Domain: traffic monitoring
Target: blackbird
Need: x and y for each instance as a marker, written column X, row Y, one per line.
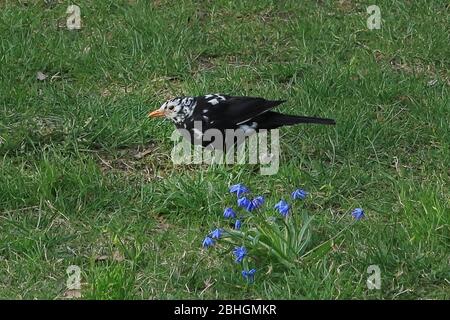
column 217, row 111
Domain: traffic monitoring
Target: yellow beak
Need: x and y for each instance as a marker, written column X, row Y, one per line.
column 156, row 113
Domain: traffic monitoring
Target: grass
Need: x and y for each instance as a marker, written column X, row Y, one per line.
column 73, row 192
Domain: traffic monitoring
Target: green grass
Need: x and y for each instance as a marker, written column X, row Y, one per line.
column 72, row 190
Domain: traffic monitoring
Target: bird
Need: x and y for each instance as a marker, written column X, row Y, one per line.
column 223, row 112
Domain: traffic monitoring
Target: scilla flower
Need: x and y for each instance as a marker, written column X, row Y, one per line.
column 237, row 225
column 238, row 189
column 249, row 275
column 299, row 194
column 208, row 242
column 229, row 213
column 216, row 234
column 246, row 204
column 258, row 201
column 283, row 208
column 358, row 213
column 239, row 253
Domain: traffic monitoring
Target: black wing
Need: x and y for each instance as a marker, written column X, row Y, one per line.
column 228, row 111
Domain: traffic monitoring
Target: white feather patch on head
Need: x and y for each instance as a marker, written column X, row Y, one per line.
column 182, row 108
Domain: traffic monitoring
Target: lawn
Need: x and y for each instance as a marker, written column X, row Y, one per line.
column 86, row 179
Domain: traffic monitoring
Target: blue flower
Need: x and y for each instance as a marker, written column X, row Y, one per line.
column 299, row 194
column 238, row 189
column 358, row 213
column 258, row 201
column 245, row 203
column 239, row 253
column 283, row 208
column 249, row 275
column 229, row 213
column 207, row 242
column 237, row 224
column 216, row 234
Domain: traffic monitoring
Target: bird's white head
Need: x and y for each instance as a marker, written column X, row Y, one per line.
column 177, row 109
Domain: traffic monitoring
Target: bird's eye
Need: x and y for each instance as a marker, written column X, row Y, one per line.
column 170, row 107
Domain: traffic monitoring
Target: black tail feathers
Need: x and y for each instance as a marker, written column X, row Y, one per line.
column 302, row 119
column 271, row 120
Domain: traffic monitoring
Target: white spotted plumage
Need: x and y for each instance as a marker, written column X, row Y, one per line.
column 179, row 109
column 214, row 98
column 213, row 101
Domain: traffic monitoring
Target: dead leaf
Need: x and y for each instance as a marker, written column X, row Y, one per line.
column 162, row 226
column 118, row 256
column 41, row 76
column 345, row 5
column 379, row 56
column 72, row 294
column 142, row 154
column 102, row 257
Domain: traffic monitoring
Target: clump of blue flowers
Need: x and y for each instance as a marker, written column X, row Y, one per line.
column 274, row 233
